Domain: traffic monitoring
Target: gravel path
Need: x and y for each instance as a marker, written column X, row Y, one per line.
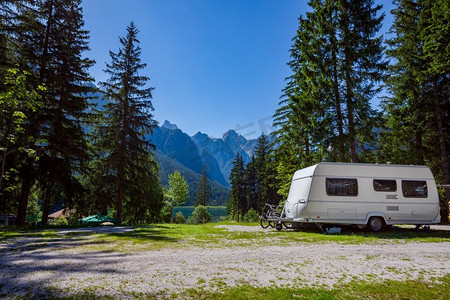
column 36, row 270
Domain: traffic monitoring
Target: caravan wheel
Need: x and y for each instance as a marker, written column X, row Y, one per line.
column 376, row 224
column 279, row 226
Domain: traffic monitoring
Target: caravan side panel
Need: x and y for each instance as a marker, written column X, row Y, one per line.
column 396, row 205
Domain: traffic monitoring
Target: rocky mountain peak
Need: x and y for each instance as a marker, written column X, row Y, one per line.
column 169, row 125
column 230, row 134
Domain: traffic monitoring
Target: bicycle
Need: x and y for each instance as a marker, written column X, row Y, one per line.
column 271, row 213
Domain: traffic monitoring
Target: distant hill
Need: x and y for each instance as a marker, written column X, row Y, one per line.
column 167, row 165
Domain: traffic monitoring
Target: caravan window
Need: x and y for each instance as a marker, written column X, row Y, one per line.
column 414, row 189
column 341, row 187
column 381, row 185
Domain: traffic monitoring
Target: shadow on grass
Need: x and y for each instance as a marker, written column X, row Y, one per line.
column 29, row 264
column 34, row 259
column 145, row 234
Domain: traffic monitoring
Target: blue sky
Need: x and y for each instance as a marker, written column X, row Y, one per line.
column 216, row 64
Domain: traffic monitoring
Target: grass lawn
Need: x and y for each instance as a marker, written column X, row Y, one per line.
column 159, row 237
column 439, row 289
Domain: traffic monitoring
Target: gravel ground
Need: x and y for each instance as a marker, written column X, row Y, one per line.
column 35, row 271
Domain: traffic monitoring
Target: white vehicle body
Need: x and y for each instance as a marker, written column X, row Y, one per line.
column 350, row 193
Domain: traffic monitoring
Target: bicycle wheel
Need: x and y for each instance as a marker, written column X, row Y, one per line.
column 272, row 224
column 263, row 221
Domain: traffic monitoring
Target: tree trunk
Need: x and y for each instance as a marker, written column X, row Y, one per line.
column 24, row 193
column 348, row 79
column 47, row 201
column 119, row 198
column 339, row 119
column 45, row 212
column 342, row 156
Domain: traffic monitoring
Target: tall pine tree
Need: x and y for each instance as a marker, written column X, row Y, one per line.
column 325, row 111
column 203, row 190
column 237, row 201
column 127, row 165
column 417, row 109
column 66, row 78
column 46, row 39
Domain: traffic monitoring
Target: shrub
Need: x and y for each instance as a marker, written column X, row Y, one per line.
column 166, row 213
column 251, row 216
column 61, row 221
column 199, row 216
column 179, row 218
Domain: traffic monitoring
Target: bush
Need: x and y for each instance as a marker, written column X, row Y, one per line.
column 179, row 218
column 61, row 221
column 251, row 216
column 199, row 216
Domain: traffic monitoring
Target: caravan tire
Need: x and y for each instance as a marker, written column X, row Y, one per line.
column 375, row 224
column 279, row 226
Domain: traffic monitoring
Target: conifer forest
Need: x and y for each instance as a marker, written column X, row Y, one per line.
column 60, row 146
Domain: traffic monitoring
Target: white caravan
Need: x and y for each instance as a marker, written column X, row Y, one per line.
column 362, row 194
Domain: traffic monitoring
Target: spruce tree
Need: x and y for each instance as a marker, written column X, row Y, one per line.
column 362, row 68
column 46, row 39
column 250, row 188
column 336, row 63
column 419, row 87
column 65, row 103
column 237, row 194
column 128, row 171
column 261, row 161
column 203, row 190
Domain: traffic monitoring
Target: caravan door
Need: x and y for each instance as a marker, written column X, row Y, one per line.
column 295, row 205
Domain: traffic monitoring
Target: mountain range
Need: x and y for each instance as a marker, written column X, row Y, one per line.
column 176, row 150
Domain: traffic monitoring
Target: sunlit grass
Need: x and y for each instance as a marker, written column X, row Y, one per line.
column 178, row 236
column 390, row 289
column 10, row 234
column 438, row 289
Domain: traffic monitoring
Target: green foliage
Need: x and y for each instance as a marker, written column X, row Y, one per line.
column 179, row 218
column 417, row 109
column 61, row 221
column 238, row 201
column 219, row 193
column 203, row 190
column 251, row 216
column 125, row 171
column 178, row 190
column 166, row 212
column 34, row 212
column 336, row 65
column 218, row 213
column 255, row 184
column 199, row 216
column 17, row 101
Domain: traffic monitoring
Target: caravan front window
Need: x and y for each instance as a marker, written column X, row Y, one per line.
column 414, row 189
column 341, row 187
